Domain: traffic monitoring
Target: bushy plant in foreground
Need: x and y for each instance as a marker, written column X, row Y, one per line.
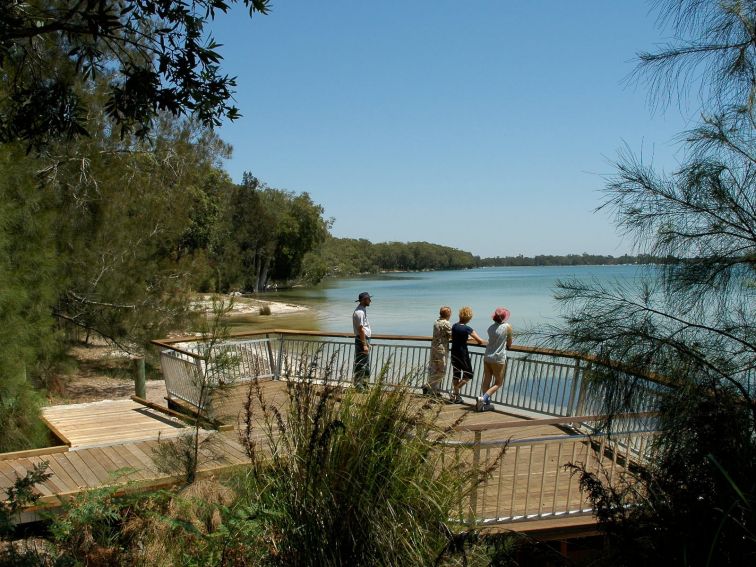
column 691, row 505
column 347, row 478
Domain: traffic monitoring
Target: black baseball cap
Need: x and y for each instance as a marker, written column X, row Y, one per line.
column 363, row 295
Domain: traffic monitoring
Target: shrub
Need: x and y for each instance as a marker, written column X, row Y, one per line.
column 349, row 478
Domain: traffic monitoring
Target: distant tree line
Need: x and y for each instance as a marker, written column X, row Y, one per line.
column 568, row 260
column 340, row 257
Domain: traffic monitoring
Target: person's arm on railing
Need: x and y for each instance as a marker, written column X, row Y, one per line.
column 474, row 336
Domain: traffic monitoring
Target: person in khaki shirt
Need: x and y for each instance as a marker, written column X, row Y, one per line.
column 439, row 353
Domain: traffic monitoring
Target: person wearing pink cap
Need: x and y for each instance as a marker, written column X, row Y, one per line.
column 495, row 358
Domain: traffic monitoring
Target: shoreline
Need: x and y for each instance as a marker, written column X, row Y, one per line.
column 246, row 306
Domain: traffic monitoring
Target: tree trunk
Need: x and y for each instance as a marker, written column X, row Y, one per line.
column 262, row 278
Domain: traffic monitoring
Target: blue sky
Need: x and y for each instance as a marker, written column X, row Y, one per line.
column 489, row 126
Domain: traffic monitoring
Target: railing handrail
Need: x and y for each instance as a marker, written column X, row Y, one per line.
column 652, row 376
column 548, row 421
column 539, row 440
column 560, row 400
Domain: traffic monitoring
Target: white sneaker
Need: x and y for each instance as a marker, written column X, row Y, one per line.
column 479, row 404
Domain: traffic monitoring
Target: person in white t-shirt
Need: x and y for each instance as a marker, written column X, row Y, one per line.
column 495, row 357
column 362, row 332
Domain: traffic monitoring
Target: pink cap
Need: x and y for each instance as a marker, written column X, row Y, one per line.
column 500, row 315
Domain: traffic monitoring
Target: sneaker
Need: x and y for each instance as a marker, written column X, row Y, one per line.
column 456, row 399
column 479, row 404
column 431, row 392
column 487, row 407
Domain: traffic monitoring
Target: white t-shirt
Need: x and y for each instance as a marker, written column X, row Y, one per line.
column 496, row 350
column 360, row 319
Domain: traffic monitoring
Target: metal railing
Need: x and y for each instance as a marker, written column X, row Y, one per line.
column 529, row 482
column 188, row 367
column 537, row 382
column 538, row 478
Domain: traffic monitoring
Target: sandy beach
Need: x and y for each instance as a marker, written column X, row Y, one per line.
column 247, row 305
column 103, row 371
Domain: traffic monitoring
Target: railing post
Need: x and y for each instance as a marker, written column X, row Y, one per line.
column 476, row 478
column 581, row 394
column 279, row 364
column 573, row 389
column 271, row 360
column 199, row 381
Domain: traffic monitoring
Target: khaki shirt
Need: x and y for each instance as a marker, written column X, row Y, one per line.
column 441, row 337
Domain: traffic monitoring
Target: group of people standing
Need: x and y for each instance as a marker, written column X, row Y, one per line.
column 447, row 339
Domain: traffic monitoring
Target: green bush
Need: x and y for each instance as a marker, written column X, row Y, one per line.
column 347, row 478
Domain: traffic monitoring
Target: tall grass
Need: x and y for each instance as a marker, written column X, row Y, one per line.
column 347, row 478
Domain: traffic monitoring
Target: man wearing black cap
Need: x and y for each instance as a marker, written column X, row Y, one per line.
column 362, row 333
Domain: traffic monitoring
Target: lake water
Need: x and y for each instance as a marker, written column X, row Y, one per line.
column 408, row 303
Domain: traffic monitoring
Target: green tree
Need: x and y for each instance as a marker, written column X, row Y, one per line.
column 693, row 320
column 345, row 256
column 29, row 271
column 246, row 238
column 204, row 236
column 91, row 233
column 156, row 56
column 266, row 233
column 123, row 210
column 300, row 230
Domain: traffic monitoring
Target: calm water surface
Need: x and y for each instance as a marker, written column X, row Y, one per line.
column 407, row 303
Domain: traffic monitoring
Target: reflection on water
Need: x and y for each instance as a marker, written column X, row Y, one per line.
column 301, row 320
column 407, row 303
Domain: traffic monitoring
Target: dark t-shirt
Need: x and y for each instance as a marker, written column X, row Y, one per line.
column 460, row 334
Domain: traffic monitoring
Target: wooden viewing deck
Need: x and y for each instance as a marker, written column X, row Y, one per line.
column 112, row 443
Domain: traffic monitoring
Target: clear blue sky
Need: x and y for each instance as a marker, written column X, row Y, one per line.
column 485, row 125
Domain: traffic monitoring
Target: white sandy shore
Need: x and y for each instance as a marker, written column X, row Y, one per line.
column 247, row 305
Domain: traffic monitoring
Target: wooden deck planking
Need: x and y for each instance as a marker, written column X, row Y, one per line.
column 7, row 474
column 61, row 475
column 41, row 487
column 140, row 473
column 116, row 445
column 63, row 462
column 109, row 421
column 114, row 457
column 90, row 478
column 55, row 484
column 141, row 459
column 115, row 471
column 234, row 447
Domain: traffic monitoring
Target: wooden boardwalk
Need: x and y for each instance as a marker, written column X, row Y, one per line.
column 109, row 422
column 113, row 444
